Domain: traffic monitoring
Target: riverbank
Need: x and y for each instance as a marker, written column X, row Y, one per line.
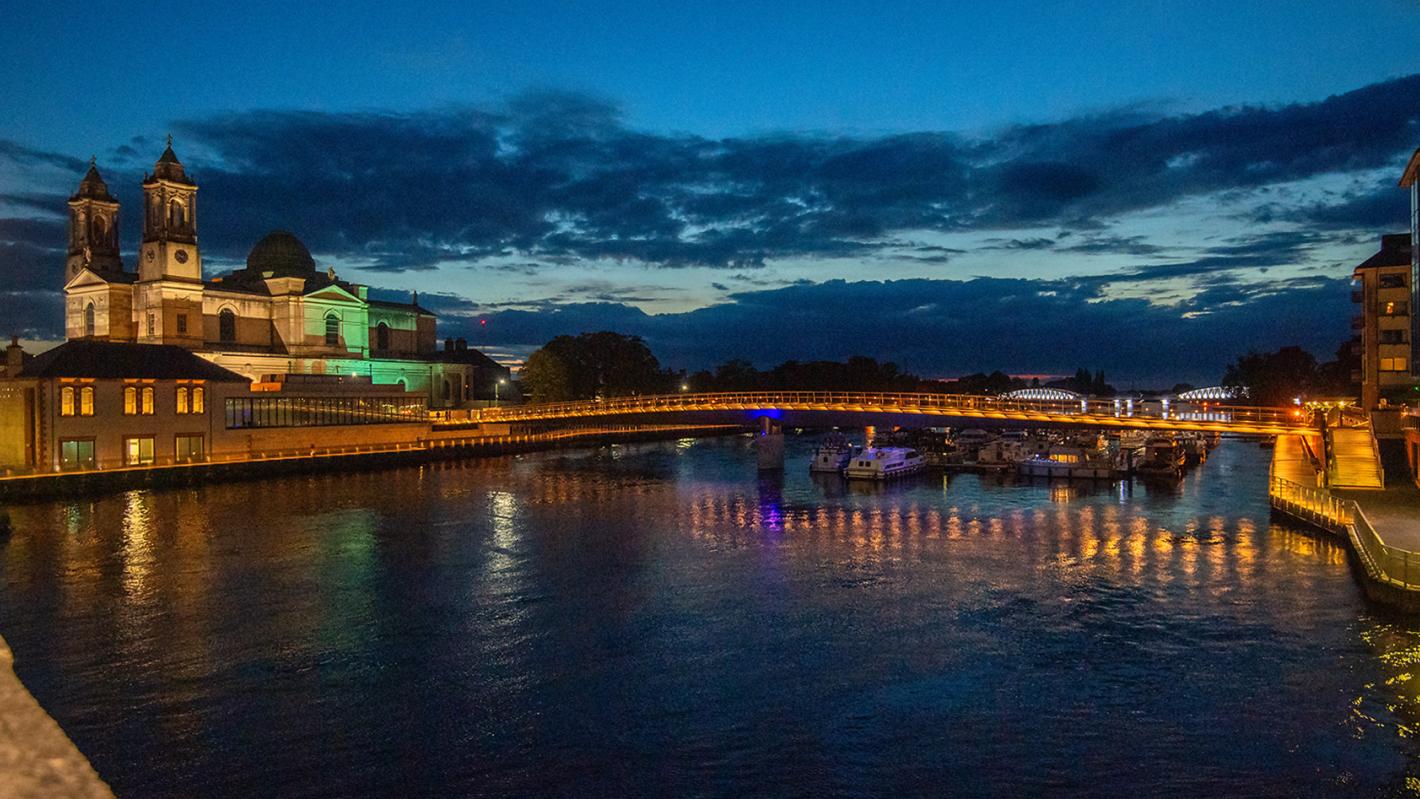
column 1380, row 526
column 36, row 758
column 347, row 458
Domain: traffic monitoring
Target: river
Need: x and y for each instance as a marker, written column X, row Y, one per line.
column 658, row 619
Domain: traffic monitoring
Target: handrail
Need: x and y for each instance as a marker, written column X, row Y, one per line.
column 1394, row 565
column 1121, row 412
column 1309, row 502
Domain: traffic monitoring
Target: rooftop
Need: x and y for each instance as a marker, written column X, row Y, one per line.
column 1395, row 251
column 113, row 359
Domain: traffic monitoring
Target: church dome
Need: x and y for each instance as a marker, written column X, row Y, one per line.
column 282, row 254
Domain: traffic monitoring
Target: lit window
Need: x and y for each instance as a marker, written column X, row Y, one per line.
column 147, row 400
column 138, row 451
column 76, row 453
column 130, row 400
column 188, row 448
column 199, row 399
column 66, row 401
column 86, row 401
column 182, row 399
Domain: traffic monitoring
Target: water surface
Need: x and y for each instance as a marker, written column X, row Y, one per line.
column 660, row 620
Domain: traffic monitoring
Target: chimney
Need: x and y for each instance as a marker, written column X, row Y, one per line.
column 448, row 345
column 14, row 357
column 461, row 344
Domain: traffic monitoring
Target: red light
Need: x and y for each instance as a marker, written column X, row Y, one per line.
column 483, row 322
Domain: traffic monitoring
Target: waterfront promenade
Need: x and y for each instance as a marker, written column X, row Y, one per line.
column 1382, row 525
column 1394, row 511
column 37, row 760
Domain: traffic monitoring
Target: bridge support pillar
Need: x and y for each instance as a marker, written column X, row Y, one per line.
column 769, row 445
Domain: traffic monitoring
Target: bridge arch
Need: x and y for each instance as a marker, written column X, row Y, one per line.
column 1213, row 394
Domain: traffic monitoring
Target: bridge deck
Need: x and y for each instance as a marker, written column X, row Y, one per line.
column 938, row 409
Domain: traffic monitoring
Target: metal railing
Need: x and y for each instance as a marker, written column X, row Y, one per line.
column 1316, row 505
column 1111, row 412
column 1388, row 564
column 1398, row 567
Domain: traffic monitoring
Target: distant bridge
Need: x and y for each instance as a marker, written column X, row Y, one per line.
column 851, row 408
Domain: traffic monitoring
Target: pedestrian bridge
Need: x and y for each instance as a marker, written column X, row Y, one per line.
column 851, row 408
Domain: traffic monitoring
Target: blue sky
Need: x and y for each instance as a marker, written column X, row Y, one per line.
column 918, row 182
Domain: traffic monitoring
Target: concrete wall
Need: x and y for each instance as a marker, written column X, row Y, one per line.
column 36, row 758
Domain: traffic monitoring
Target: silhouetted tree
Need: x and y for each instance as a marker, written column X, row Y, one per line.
column 1336, row 378
column 1274, row 378
column 544, row 377
column 604, row 364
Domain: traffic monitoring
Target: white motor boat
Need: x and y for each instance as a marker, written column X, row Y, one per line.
column 884, row 463
column 833, row 455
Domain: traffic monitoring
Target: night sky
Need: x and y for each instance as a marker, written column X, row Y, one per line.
column 1146, row 188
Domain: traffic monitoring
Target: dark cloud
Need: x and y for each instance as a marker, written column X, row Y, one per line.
column 561, row 175
column 32, row 255
column 1379, row 207
column 941, row 327
column 32, row 314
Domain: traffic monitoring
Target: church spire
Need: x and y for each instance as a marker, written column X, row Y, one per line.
column 93, row 227
column 92, row 186
column 168, row 166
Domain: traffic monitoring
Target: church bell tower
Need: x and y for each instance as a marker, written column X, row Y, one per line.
column 167, row 301
column 93, row 228
column 169, row 248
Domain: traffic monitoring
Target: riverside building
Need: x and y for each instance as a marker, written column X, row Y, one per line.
column 279, row 314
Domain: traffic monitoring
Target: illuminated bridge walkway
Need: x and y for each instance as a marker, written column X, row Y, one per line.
column 819, row 408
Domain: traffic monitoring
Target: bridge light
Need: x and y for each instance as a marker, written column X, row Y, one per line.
column 684, row 387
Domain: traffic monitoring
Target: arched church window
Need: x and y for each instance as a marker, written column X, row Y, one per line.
column 177, row 215
column 448, row 389
column 89, row 326
column 382, row 336
column 332, row 330
column 227, row 326
column 100, row 230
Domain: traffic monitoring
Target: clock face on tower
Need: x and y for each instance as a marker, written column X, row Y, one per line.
column 181, row 256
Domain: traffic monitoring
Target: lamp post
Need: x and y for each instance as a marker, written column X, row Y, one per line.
column 500, row 382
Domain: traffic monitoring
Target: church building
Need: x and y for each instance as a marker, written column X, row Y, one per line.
column 278, row 315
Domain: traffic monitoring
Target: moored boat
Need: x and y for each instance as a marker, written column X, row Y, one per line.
column 832, row 455
column 1081, row 459
column 883, row 463
column 1163, row 457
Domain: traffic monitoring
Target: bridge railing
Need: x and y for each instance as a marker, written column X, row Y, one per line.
column 905, row 401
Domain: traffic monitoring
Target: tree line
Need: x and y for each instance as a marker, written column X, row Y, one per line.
column 607, row 364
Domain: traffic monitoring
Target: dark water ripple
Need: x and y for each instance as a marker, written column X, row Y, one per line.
column 659, row 620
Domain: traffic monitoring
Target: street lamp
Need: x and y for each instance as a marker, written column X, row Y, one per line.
column 500, row 382
column 684, row 386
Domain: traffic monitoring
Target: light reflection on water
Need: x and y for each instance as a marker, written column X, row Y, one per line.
column 660, row 619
